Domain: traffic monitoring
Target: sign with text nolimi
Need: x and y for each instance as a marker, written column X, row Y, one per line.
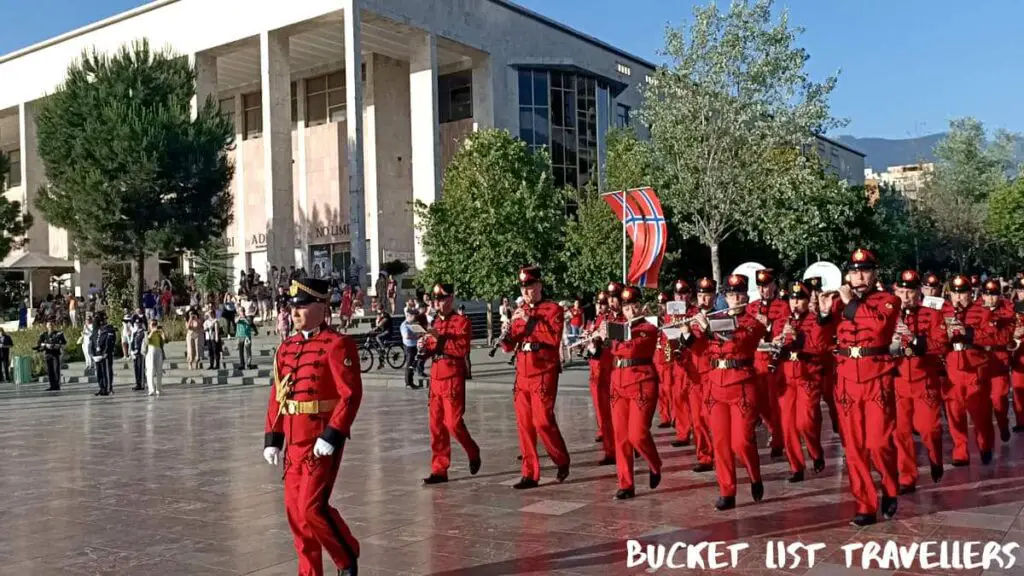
column 643, row 221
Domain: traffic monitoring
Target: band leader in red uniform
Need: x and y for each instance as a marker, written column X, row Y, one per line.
column 537, row 331
column 776, row 311
column 971, row 333
column 1017, row 358
column 316, row 394
column 634, row 395
column 919, row 347
column 1004, row 321
column 447, row 343
column 601, row 380
column 730, row 390
column 866, row 321
column 665, row 366
column 803, row 346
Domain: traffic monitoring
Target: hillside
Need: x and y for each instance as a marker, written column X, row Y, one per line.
column 882, row 153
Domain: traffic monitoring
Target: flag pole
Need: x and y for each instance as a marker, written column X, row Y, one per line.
column 624, row 280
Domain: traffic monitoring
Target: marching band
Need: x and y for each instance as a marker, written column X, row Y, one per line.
column 885, row 364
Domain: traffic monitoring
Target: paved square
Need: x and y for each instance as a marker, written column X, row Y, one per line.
column 177, row 485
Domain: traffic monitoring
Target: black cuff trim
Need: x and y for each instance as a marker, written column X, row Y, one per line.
column 275, row 439
column 824, row 320
column 851, row 309
column 439, row 343
column 334, row 437
column 969, row 335
column 798, row 342
column 920, row 345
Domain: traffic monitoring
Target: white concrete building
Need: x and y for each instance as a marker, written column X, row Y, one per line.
column 907, row 179
column 328, row 161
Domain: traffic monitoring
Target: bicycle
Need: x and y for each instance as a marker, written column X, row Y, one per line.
column 393, row 353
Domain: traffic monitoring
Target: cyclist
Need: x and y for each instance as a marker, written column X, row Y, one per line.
column 381, row 329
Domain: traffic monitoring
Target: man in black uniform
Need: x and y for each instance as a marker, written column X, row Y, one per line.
column 51, row 344
column 6, row 343
column 104, row 340
column 135, row 352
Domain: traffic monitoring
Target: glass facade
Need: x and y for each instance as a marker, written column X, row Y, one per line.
column 569, row 113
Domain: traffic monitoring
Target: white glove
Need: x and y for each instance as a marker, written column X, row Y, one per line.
column 270, row 454
column 322, row 448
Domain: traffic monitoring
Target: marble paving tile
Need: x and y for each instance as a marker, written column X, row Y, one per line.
column 552, row 507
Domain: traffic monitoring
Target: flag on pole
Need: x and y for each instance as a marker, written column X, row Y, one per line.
column 641, row 214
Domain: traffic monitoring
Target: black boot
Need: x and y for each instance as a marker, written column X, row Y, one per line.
column 525, row 484
column 598, row 439
column 795, row 477
column 776, row 453
column 563, row 473
column 680, row 443
column 986, row 458
column 663, row 425
column 862, row 520
column 474, row 466
column 889, row 506
column 1004, row 434
column 961, row 463
column 606, row 461
column 701, row 467
column 655, row 480
column 937, row 472
column 725, row 503
column 819, row 464
column 435, row 479
column 625, row 494
column 757, row 491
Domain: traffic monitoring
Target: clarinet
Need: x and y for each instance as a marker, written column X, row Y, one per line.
column 497, row 343
column 776, row 355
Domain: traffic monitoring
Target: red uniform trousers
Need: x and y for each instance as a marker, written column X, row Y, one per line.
column 666, row 377
column 768, row 392
column 1000, row 383
column 828, row 386
column 969, row 395
column 1017, row 384
column 600, row 393
column 867, row 415
column 699, row 421
column 917, row 409
column 633, row 406
column 732, row 413
column 534, row 401
column 800, row 410
column 680, row 396
column 447, row 407
column 308, row 483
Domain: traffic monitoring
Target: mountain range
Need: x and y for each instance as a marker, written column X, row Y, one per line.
column 882, row 152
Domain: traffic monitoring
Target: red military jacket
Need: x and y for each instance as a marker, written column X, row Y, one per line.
column 920, row 353
column 673, row 356
column 739, row 348
column 539, row 335
column 1017, row 356
column 1005, row 321
column 627, row 381
column 969, row 355
column 321, row 367
column 777, row 311
column 450, row 347
column 601, row 360
column 868, row 322
column 804, row 353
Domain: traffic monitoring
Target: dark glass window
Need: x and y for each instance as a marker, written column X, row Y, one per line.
column 533, row 108
column 455, row 96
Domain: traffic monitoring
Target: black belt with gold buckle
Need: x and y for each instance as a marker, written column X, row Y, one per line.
column 727, row 364
column 856, row 352
column 629, row 362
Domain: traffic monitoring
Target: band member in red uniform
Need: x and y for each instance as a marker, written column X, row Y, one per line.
column 601, row 381
column 768, row 390
column 971, row 330
column 866, row 321
column 999, row 356
column 447, row 344
column 634, row 395
column 614, row 303
column 803, row 344
column 665, row 367
column 828, row 381
column 730, row 393
column 316, row 394
column 537, row 330
column 696, row 366
column 919, row 346
column 682, row 372
column 1017, row 358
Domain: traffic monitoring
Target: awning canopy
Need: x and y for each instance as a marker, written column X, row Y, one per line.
column 28, row 261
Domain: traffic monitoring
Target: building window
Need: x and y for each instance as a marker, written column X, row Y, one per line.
column 14, row 176
column 586, row 131
column 455, row 96
column 623, row 69
column 564, row 144
column 295, row 103
column 325, row 97
column 622, row 116
column 534, row 120
column 252, row 115
column 227, row 110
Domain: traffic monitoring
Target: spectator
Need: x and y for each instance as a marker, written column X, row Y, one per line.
column 409, row 339
column 73, row 309
column 392, row 293
column 155, row 340
column 166, row 301
column 229, row 311
column 23, row 315
column 137, row 341
column 245, row 329
column 575, row 321
column 85, row 341
column 382, row 329
column 193, row 338
column 212, row 333
column 346, row 308
column 6, row 343
column 149, row 304
column 284, row 322
column 505, row 313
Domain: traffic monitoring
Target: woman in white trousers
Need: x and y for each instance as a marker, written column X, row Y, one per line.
column 86, row 340
column 155, row 357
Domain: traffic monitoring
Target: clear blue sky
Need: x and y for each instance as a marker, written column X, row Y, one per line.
column 907, row 66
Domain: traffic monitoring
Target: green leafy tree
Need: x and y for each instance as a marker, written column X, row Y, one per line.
column 1006, row 218
column 734, row 93
column 13, row 224
column 499, row 211
column 968, row 171
column 129, row 171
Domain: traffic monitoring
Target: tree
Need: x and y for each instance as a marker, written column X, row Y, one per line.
column 1006, row 218
column 210, row 269
column 129, row 171
column 967, row 172
column 13, row 224
column 734, row 94
column 499, row 211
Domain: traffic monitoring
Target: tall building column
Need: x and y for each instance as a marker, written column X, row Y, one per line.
column 32, row 177
column 354, row 126
column 483, row 93
column 275, row 74
column 302, row 251
column 239, row 259
column 206, row 79
column 423, row 120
